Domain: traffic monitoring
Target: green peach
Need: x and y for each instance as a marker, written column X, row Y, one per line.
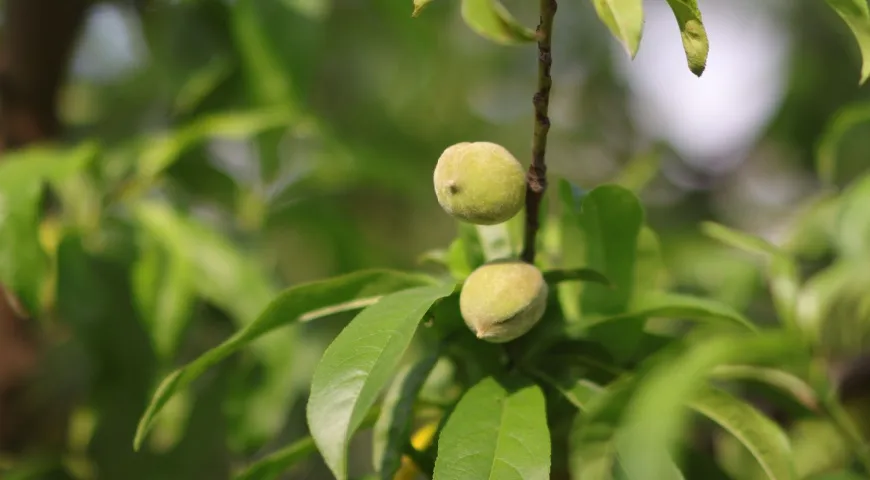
column 501, row 301
column 480, row 183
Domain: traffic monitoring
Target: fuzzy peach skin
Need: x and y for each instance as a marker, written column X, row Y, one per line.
column 480, row 183
column 501, row 301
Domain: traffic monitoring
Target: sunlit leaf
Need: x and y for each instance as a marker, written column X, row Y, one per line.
column 624, row 18
column 161, row 152
column 268, row 81
column 223, row 274
column 201, row 84
column 498, row 430
column 785, row 382
column 692, row 32
column 273, row 465
column 284, row 310
column 740, row 240
column 163, row 286
column 764, row 439
column 656, row 416
column 358, row 364
column 679, row 306
column 856, row 14
column 491, row 20
column 23, row 263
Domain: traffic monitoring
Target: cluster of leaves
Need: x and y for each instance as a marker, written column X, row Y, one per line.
column 624, row 19
column 624, row 356
column 612, row 355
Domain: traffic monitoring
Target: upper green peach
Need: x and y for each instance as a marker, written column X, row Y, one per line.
column 480, row 183
column 501, row 301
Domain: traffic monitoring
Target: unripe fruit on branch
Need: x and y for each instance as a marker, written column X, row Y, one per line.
column 501, row 301
column 480, row 183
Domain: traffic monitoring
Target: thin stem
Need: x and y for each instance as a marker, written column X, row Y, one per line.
column 536, row 178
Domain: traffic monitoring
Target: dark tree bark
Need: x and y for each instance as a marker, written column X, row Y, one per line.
column 35, row 45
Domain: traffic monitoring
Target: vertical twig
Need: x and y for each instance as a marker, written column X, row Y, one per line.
column 536, row 178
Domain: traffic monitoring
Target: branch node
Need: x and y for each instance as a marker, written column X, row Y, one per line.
column 536, row 178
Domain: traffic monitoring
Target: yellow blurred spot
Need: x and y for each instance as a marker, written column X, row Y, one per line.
column 420, row 440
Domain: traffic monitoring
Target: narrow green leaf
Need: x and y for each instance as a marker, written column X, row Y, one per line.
column 393, row 428
column 784, row 280
column 580, row 392
column 624, row 18
column 498, row 430
column 759, row 434
column 856, row 14
column 783, row 381
column 491, row 20
column 678, row 306
column 284, row 310
column 164, row 150
column 843, row 120
column 358, row 364
column 739, row 240
column 656, row 416
column 163, row 287
column 692, row 32
column 201, row 84
column 224, row 275
column 23, row 264
column 581, row 274
column 273, row 465
column 267, row 79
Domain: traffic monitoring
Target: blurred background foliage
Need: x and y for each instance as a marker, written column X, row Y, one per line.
column 233, row 147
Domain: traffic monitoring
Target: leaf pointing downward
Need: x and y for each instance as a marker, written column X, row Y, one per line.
column 286, row 309
column 358, row 364
column 692, row 31
column 497, row 431
column 856, row 14
column 624, row 18
column 490, row 19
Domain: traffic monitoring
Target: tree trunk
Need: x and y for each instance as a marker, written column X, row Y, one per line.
column 35, row 45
